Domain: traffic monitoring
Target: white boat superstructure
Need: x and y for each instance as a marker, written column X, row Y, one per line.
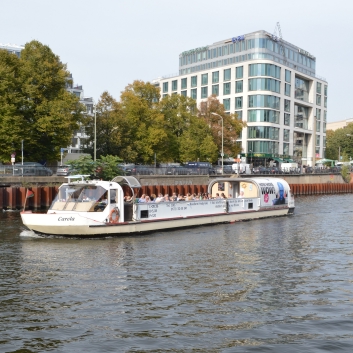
column 97, row 208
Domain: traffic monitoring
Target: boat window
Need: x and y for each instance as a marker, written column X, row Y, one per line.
column 113, row 196
column 80, row 198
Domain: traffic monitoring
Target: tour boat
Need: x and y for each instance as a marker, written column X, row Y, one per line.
column 90, row 208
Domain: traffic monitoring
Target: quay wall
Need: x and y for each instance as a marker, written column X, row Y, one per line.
column 13, row 191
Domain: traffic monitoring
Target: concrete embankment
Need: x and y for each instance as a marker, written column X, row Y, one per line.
column 13, row 190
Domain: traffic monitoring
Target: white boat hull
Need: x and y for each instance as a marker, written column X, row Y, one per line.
column 77, row 226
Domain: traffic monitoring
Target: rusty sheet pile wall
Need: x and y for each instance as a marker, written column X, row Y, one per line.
column 14, row 197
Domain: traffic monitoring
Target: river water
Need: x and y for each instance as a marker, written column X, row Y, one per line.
column 273, row 285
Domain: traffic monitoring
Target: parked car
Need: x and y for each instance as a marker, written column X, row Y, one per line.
column 199, row 168
column 275, row 170
column 227, row 169
column 126, row 168
column 261, row 170
column 65, row 170
column 176, row 170
column 142, row 170
column 31, row 168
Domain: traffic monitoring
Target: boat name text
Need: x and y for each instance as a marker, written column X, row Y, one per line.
column 70, row 219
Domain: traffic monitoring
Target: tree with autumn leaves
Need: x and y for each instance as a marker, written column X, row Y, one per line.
column 142, row 125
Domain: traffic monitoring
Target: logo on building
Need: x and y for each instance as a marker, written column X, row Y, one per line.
column 238, row 39
column 193, row 51
column 304, row 52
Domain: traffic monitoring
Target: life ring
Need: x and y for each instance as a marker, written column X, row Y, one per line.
column 114, row 215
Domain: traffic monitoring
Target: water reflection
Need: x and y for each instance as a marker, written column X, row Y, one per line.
column 274, row 284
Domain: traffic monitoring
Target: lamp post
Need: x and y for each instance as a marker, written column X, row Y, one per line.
column 95, row 131
column 221, row 117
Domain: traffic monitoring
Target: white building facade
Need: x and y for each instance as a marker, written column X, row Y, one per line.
column 271, row 84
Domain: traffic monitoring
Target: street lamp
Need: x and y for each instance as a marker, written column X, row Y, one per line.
column 95, row 131
column 221, row 117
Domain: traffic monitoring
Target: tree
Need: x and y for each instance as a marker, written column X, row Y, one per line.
column 35, row 106
column 178, row 112
column 232, row 126
column 146, row 122
column 340, row 142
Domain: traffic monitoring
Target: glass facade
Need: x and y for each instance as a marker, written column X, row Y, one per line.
column 286, row 135
column 175, row 85
column 263, row 132
column 286, row 105
column 263, row 115
column 286, row 119
column 263, row 147
column 262, row 101
column 302, row 89
column 264, row 84
column 301, row 116
column 215, row 77
column 204, row 79
column 184, row 83
column 287, row 89
column 265, row 70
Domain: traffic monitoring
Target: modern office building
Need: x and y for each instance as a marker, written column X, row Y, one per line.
column 12, row 48
column 270, row 83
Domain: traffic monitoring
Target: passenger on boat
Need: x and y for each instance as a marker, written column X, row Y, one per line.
column 223, row 196
column 153, row 198
column 142, row 198
column 160, row 198
column 148, row 199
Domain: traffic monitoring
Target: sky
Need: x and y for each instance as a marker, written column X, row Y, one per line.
column 107, row 44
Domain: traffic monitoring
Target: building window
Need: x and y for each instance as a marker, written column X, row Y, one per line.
column 325, row 115
column 239, row 72
column 318, row 114
column 286, row 105
column 215, row 77
column 194, row 93
column 265, row 132
column 318, row 125
column 215, row 90
column 288, row 76
column 265, row 70
column 317, row 140
column 226, row 88
column 204, row 79
column 239, row 114
column 318, row 87
column 226, row 104
column 264, row 101
column 183, row 93
column 184, row 83
column 226, row 75
column 286, row 149
column 264, row 84
column 193, row 81
column 325, row 90
column 301, row 116
column 263, row 115
column 175, row 85
column 165, row 95
column 238, row 102
column 287, row 89
column 325, row 102
column 204, row 92
column 286, row 119
column 263, row 146
column 318, row 99
column 302, row 89
column 165, row 87
column 238, row 86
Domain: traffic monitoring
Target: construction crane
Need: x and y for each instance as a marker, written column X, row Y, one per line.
column 277, row 37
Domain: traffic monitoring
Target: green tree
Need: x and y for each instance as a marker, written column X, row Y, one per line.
column 109, row 167
column 232, row 126
column 35, row 106
column 340, row 142
column 178, row 112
